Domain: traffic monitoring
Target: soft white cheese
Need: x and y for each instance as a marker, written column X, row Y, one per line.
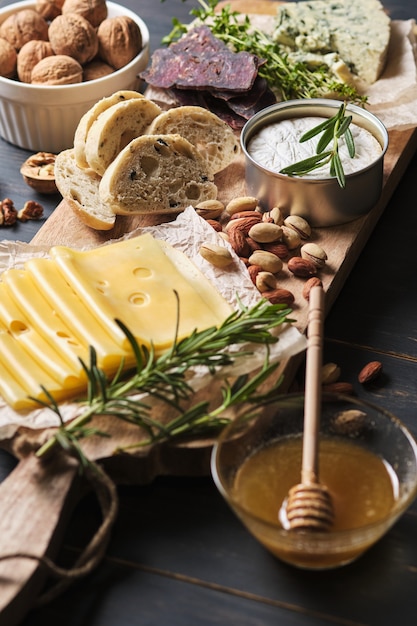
column 278, row 145
column 358, row 30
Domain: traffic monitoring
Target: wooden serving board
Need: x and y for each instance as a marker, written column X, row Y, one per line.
column 48, row 490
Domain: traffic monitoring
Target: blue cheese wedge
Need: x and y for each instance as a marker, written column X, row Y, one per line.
column 357, row 31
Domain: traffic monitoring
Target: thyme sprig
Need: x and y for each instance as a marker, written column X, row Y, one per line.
column 333, row 129
column 166, row 378
column 287, row 78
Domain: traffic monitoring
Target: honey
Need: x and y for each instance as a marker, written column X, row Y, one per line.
column 363, row 487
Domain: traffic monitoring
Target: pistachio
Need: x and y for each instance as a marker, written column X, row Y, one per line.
column 315, row 253
column 266, row 281
column 330, row 373
column 218, row 256
column 268, row 261
column 209, row 209
column 299, row 224
column 265, row 232
column 350, row 422
column 243, row 203
column 274, row 215
column 290, row 237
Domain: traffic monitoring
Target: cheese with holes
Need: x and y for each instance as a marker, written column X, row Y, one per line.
column 358, row 31
column 137, row 283
column 53, row 310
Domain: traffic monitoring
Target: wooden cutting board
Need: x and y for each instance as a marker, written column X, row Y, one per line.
column 49, row 490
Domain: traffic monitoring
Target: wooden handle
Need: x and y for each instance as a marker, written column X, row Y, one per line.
column 32, row 500
column 312, row 405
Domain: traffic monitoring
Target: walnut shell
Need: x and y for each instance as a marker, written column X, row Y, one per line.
column 120, row 40
column 95, row 11
column 74, row 36
column 49, row 9
column 59, row 69
column 29, row 55
column 8, row 59
column 96, row 69
column 38, row 172
column 23, row 26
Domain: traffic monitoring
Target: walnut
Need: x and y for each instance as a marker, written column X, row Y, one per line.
column 120, row 40
column 31, row 211
column 38, row 172
column 49, row 9
column 8, row 212
column 96, row 69
column 95, row 11
column 29, row 55
column 73, row 35
column 8, row 59
column 59, row 69
column 22, row 26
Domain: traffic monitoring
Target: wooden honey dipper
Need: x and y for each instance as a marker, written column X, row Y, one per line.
column 309, row 506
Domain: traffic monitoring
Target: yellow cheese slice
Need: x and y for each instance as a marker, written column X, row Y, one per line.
column 11, row 390
column 134, row 280
column 48, row 356
column 27, row 371
column 45, row 277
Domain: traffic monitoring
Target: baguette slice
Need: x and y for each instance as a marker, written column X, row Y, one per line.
column 80, row 189
column 156, row 174
column 214, row 138
column 91, row 115
column 115, row 128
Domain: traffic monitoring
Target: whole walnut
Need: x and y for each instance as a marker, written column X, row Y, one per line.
column 120, row 40
column 73, row 35
column 49, row 9
column 23, row 26
column 29, row 55
column 96, row 69
column 95, row 11
column 58, row 69
column 8, row 59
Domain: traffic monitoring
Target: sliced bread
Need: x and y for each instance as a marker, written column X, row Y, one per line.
column 80, row 189
column 156, row 174
column 114, row 128
column 91, row 115
column 212, row 137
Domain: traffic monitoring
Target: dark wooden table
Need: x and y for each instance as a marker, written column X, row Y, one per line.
column 178, row 556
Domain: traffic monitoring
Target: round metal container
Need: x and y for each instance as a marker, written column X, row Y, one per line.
column 321, row 201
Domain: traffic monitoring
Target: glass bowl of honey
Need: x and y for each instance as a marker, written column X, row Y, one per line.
column 367, row 460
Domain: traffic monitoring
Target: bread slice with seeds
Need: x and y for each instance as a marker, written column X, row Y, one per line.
column 156, row 174
column 214, row 139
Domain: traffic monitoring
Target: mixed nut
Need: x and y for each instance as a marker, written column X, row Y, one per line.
column 267, row 242
column 61, row 42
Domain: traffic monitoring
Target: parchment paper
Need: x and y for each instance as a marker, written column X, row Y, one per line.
column 186, row 233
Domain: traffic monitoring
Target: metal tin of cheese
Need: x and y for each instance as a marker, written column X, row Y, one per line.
column 321, row 201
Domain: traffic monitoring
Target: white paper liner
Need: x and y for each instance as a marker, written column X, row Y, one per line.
column 186, row 233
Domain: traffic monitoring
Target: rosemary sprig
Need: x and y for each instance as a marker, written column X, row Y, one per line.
column 333, row 129
column 166, row 378
column 289, row 79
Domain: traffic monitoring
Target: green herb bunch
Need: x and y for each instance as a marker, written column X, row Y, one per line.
column 333, row 129
column 288, row 79
column 166, row 379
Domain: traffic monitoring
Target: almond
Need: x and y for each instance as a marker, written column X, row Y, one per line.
column 339, row 387
column 239, row 242
column 303, row 268
column 370, row 371
column 243, row 223
column 309, row 284
column 278, row 248
column 279, row 296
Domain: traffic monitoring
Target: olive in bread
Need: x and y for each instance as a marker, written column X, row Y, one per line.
column 156, row 174
column 80, row 189
column 115, row 128
column 91, row 115
column 212, row 136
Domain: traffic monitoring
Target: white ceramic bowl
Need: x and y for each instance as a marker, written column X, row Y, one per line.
column 44, row 117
